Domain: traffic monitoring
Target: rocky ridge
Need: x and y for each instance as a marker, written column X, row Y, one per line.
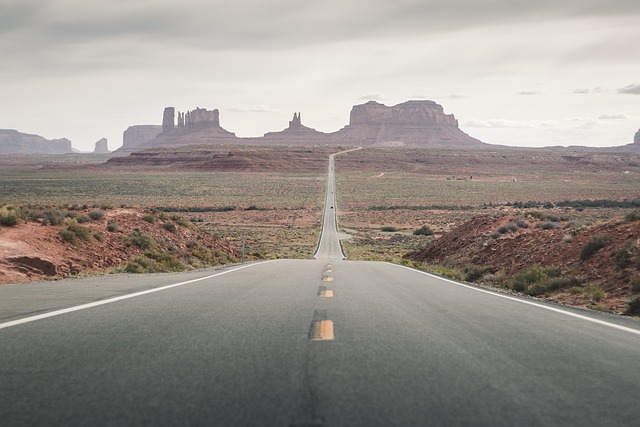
column 14, row 142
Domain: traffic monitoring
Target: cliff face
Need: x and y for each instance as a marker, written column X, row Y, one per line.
column 411, row 124
column 12, row 141
column 102, row 146
column 414, row 113
column 636, row 138
column 139, row 134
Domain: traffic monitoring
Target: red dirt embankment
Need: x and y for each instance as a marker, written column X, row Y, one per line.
column 613, row 268
column 33, row 251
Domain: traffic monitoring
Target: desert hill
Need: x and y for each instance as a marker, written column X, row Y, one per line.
column 14, row 142
column 583, row 263
column 79, row 240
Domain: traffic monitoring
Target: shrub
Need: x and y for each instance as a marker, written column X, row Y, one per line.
column 522, row 223
column 149, row 218
column 52, row 217
column 141, row 240
column 503, row 229
column 99, row 237
column 82, row 219
column 389, row 228
column 635, row 285
column 634, row 215
column 592, row 246
column 425, row 230
column 596, row 293
column 96, row 215
column 69, row 236
column 9, row 216
column 112, row 226
column 547, row 225
column 622, row 255
column 203, row 254
column 633, row 309
column 169, row 226
column 154, row 262
column 476, row 272
column 538, row 280
column 82, row 232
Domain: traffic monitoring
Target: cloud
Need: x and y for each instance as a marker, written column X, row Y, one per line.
column 584, row 91
column 253, row 109
column 631, row 89
column 613, row 116
column 375, row 96
column 529, row 92
column 499, row 123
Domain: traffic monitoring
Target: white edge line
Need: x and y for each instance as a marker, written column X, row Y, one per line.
column 115, row 299
column 545, row 307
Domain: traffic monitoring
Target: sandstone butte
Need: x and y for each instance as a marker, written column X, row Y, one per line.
column 102, row 146
column 410, row 124
column 12, row 141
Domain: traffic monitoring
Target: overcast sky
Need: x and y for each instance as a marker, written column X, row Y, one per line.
column 514, row 72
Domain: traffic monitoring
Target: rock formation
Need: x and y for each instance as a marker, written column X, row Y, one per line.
column 295, row 134
column 412, row 123
column 12, row 141
column 102, row 147
column 296, row 122
column 138, row 134
column 168, row 119
column 636, row 138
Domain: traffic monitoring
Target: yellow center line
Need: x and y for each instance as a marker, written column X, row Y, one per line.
column 326, row 294
column 323, row 331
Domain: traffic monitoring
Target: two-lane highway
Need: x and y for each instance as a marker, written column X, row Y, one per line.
column 324, row 342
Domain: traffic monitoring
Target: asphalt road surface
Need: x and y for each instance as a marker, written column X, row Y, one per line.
column 323, row 342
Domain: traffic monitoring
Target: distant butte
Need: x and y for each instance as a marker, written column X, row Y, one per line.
column 14, row 142
column 410, row 124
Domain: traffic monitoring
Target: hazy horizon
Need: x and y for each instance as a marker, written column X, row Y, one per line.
column 536, row 73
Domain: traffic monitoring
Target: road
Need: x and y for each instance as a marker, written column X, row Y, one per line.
column 322, row 342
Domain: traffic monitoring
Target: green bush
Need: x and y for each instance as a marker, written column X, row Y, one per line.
column 9, row 216
column 154, row 262
column 538, row 280
column 425, row 230
column 634, row 215
column 169, row 226
column 141, row 240
column 633, row 309
column 592, row 246
column 476, row 272
column 622, row 256
column 99, row 237
column 149, row 218
column 596, row 293
column 83, row 233
column 53, row 217
column 82, row 219
column 547, row 225
column 635, row 285
column 69, row 236
column 96, row 215
column 112, row 226
column 389, row 228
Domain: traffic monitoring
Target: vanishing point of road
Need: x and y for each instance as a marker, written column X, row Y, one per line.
column 322, row 342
